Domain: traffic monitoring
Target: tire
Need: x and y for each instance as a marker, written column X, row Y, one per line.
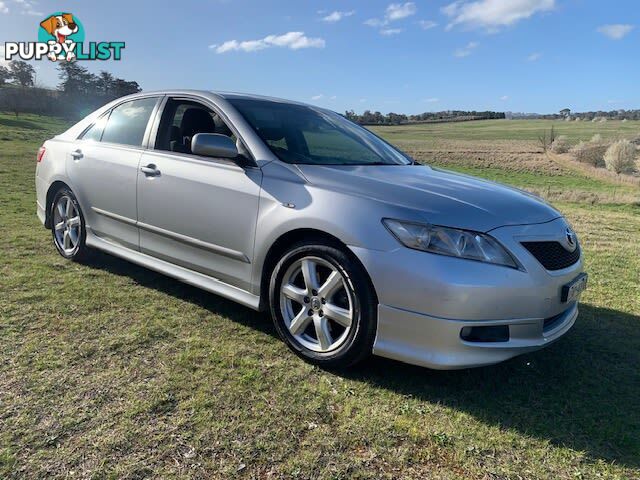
column 68, row 227
column 333, row 323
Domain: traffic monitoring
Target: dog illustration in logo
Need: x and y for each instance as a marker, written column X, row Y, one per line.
column 60, row 27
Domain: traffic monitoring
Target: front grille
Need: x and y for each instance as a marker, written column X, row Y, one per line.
column 552, row 255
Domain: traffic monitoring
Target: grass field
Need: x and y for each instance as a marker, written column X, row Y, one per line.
column 108, row 370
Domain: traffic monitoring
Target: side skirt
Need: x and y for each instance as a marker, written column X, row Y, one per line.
column 196, row 279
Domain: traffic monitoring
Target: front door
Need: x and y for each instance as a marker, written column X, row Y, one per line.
column 194, row 211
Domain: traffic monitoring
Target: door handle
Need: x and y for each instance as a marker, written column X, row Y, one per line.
column 77, row 154
column 150, row 170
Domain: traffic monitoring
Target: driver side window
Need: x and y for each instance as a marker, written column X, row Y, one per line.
column 182, row 120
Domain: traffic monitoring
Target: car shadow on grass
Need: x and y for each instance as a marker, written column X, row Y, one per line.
column 583, row 392
column 185, row 292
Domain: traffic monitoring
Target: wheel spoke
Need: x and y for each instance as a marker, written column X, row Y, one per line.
column 310, row 274
column 60, row 226
column 322, row 332
column 66, row 240
column 337, row 314
column 331, row 284
column 294, row 293
column 73, row 235
column 75, row 221
column 300, row 322
column 69, row 208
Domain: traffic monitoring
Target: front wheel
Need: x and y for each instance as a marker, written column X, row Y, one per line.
column 323, row 305
column 67, row 226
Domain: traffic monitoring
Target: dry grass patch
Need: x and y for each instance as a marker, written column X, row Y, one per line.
column 620, row 157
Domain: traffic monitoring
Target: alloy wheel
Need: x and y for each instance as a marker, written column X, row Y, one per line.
column 66, row 224
column 317, row 304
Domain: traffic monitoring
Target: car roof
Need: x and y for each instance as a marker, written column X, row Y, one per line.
column 224, row 95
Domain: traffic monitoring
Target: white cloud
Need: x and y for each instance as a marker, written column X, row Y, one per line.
column 333, row 97
column 291, row 40
column 534, row 57
column 387, row 32
column 398, row 11
column 3, row 8
column 492, row 14
column 427, row 24
column 317, row 97
column 504, row 98
column 432, row 100
column 27, row 7
column 616, row 31
column 394, row 12
column 466, row 50
column 374, row 22
column 337, row 16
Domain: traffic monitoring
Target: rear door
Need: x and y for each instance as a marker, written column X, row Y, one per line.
column 197, row 212
column 103, row 168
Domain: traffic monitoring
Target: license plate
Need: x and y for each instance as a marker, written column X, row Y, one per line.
column 571, row 291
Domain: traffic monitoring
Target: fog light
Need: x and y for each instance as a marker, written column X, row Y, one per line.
column 498, row 333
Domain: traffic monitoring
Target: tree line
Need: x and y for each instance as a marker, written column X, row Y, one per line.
column 377, row 118
column 81, row 91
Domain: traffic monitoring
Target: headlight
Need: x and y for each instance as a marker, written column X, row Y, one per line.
column 450, row 241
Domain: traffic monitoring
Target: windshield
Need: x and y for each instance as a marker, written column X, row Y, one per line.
column 303, row 134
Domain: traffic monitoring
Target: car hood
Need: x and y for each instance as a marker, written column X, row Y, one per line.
column 440, row 197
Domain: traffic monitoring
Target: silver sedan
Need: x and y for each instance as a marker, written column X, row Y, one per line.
column 350, row 245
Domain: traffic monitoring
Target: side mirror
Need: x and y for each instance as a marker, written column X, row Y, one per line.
column 214, row 145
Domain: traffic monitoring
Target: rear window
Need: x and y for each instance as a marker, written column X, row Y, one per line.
column 127, row 123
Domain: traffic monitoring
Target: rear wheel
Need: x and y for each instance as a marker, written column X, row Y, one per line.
column 67, row 226
column 323, row 305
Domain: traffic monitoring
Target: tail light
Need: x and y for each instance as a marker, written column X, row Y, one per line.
column 40, row 155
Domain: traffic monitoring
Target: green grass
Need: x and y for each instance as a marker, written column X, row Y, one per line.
column 508, row 151
column 528, row 130
column 108, row 370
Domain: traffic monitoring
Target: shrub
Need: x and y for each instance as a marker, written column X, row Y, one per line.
column 560, row 144
column 620, row 157
column 590, row 153
column 597, row 138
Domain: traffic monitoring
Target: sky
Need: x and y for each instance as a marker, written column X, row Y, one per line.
column 391, row 56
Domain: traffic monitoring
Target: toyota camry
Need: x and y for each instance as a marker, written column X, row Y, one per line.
column 351, row 246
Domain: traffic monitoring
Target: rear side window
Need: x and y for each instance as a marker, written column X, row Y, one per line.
column 128, row 122
column 94, row 132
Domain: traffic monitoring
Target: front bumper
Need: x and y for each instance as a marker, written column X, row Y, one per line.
column 425, row 301
column 436, row 342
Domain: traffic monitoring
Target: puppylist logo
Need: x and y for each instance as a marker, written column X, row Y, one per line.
column 61, row 38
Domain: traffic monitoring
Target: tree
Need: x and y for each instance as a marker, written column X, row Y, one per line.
column 104, row 82
column 76, row 79
column 22, row 73
column 122, row 87
column 5, row 75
